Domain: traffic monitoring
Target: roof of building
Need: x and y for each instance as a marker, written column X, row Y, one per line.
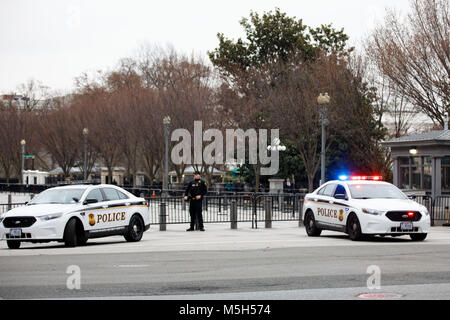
column 432, row 136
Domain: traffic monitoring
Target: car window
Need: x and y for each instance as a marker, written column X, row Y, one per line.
column 376, row 191
column 329, row 189
column 111, row 194
column 122, row 195
column 320, row 192
column 95, row 194
column 60, row 196
column 340, row 189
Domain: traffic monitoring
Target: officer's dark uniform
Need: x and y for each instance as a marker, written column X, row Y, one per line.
column 195, row 188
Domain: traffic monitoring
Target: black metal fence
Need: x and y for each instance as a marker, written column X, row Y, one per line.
column 231, row 208
column 256, row 208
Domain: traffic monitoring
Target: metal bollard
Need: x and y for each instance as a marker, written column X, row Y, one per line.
column 9, row 202
column 268, row 217
column 162, row 217
column 233, row 214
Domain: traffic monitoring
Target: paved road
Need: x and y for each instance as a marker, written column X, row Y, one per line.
column 280, row 263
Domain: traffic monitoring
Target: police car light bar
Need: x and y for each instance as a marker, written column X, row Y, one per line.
column 373, row 178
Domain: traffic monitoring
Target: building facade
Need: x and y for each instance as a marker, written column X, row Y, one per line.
column 422, row 162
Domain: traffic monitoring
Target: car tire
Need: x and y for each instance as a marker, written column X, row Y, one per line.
column 135, row 229
column 82, row 239
column 13, row 244
column 70, row 233
column 354, row 228
column 310, row 225
column 418, row 236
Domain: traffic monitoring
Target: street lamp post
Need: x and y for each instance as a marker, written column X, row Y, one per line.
column 85, row 135
column 166, row 122
column 323, row 101
column 23, row 143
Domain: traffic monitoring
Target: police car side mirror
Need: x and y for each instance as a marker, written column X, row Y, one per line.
column 340, row 196
column 89, row 201
column 412, row 197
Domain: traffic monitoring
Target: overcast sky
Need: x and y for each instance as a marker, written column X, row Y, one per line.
column 54, row 41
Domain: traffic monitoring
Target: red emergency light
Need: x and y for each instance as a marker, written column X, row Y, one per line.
column 362, row 178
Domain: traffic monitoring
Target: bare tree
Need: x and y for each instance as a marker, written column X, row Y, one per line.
column 59, row 133
column 413, row 54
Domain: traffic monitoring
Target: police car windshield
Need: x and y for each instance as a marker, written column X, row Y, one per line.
column 375, row 191
column 58, row 196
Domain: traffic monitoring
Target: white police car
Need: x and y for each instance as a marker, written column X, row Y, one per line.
column 364, row 206
column 73, row 214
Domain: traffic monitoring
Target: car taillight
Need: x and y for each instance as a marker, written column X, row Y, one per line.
column 410, row 214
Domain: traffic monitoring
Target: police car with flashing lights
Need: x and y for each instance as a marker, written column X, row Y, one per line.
column 73, row 214
column 364, row 206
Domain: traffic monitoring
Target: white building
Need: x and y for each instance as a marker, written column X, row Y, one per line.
column 34, row 177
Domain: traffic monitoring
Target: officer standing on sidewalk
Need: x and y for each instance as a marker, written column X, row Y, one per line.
column 195, row 191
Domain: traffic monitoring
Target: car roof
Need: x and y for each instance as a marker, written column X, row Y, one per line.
column 353, row 182
column 86, row 186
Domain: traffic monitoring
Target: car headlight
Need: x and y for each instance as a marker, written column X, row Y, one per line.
column 50, row 216
column 373, row 212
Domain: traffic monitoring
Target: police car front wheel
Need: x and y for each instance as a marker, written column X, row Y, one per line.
column 354, row 228
column 13, row 244
column 74, row 234
column 418, row 236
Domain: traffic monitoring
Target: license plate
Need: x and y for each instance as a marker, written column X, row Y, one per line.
column 16, row 233
column 406, row 226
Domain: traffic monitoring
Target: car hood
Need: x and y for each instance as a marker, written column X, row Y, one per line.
column 388, row 204
column 38, row 210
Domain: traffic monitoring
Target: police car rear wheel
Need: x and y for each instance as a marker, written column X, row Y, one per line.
column 418, row 236
column 13, row 244
column 135, row 229
column 354, row 228
column 310, row 225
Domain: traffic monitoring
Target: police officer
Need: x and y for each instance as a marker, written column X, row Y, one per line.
column 195, row 191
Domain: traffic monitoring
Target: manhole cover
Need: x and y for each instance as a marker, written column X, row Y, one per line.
column 379, row 296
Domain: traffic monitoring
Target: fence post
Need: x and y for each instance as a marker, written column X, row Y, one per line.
column 300, row 212
column 295, row 205
column 225, row 203
column 9, row 202
column 162, row 217
column 268, row 217
column 233, row 214
column 280, row 201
